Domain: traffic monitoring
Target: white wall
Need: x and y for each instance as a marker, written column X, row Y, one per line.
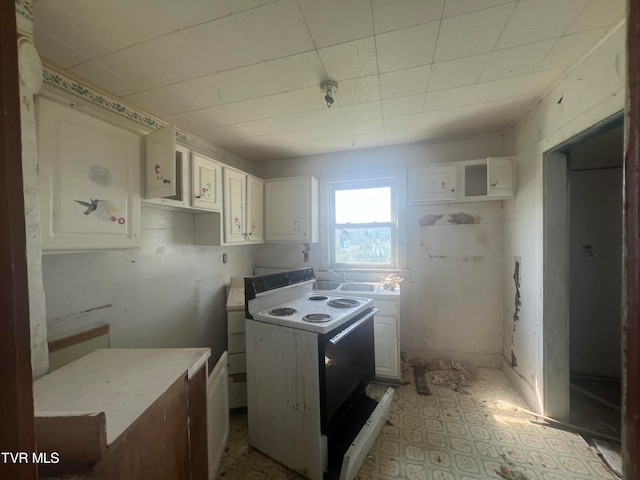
column 591, row 92
column 451, row 300
column 168, row 293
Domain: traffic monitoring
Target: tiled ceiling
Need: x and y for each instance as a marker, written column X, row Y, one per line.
column 246, row 74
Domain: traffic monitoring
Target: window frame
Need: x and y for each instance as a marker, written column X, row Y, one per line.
column 334, row 186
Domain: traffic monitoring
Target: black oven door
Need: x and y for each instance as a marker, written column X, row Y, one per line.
column 347, row 365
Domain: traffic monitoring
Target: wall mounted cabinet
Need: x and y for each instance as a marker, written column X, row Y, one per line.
column 291, row 210
column 206, row 183
column 243, row 207
column 176, row 177
column 89, row 180
column 491, row 178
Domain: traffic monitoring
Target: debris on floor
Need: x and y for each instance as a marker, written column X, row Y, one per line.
column 420, row 374
column 511, row 473
column 610, row 453
column 442, row 373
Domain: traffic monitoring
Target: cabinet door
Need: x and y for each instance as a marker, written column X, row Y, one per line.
column 287, row 210
column 434, row 184
column 234, row 206
column 386, row 346
column 89, row 179
column 160, row 163
column 255, row 209
column 500, row 177
column 206, row 183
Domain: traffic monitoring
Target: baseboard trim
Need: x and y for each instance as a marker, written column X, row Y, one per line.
column 475, row 359
column 523, row 386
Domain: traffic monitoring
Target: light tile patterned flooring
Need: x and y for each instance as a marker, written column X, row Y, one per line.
column 447, row 435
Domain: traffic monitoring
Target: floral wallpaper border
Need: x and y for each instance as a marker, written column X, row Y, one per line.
column 23, row 8
column 73, row 87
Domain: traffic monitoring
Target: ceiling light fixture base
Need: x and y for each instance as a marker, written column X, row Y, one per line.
column 329, row 88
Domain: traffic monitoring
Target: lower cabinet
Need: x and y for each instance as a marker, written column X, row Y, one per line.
column 386, row 344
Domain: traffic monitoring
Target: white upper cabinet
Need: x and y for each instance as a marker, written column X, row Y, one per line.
column 243, row 207
column 501, row 178
column 438, row 183
column 206, row 183
column 291, row 210
column 490, row 178
column 160, row 169
column 89, row 180
column 255, row 209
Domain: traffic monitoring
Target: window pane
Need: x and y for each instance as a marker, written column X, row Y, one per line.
column 363, row 245
column 364, row 205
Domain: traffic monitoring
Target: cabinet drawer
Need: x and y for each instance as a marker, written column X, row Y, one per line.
column 237, row 363
column 236, row 343
column 235, row 322
column 388, row 308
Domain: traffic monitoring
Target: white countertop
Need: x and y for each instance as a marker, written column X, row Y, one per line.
column 122, row 383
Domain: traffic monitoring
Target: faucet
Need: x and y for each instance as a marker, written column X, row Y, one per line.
column 342, row 276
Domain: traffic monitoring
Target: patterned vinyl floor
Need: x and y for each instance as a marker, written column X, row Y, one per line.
column 474, row 433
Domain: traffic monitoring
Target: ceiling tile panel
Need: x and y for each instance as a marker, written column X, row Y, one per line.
column 327, row 133
column 109, row 81
column 177, row 98
column 241, row 111
column 216, row 89
column 221, row 45
column 362, row 112
column 459, row 7
column 570, row 48
column 358, row 90
column 535, row 20
column 276, row 76
column 140, row 70
column 291, row 102
column 401, row 83
column 457, row 73
column 472, row 33
column 207, row 118
column 221, row 134
column 445, row 99
column 512, row 87
column 367, row 127
column 350, row 60
column 402, row 106
column 599, row 13
column 293, row 121
column 56, row 50
column 337, row 21
column 399, row 14
column 240, row 5
column 402, row 121
column 290, row 37
column 199, row 119
column 260, row 127
column 512, row 62
column 406, row 48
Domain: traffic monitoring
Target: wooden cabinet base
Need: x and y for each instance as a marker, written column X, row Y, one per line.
column 157, row 444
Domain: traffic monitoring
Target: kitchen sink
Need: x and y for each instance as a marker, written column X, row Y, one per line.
column 326, row 285
column 358, row 287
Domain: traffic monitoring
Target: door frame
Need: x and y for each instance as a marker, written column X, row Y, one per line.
column 16, row 402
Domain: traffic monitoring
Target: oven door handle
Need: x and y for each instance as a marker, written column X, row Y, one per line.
column 338, row 337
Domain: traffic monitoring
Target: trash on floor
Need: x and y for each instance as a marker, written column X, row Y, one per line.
column 420, row 374
column 442, row 373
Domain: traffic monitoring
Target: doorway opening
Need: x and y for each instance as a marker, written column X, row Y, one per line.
column 583, row 259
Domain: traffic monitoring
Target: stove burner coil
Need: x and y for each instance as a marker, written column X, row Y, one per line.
column 318, row 297
column 343, row 303
column 316, row 318
column 282, row 311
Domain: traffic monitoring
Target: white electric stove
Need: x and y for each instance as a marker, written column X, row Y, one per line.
column 310, row 358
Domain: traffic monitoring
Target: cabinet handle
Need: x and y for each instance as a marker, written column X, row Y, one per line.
column 197, row 196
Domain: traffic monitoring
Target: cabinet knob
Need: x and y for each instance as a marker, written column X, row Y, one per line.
column 197, row 196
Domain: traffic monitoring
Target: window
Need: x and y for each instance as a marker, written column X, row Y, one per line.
column 363, row 231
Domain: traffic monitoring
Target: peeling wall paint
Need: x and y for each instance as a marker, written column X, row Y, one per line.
column 516, row 308
column 463, row 218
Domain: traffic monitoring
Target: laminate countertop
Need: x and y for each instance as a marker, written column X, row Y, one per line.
column 122, row 383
